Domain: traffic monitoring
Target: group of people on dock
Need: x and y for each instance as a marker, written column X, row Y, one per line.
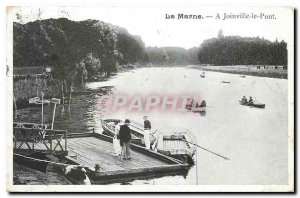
column 122, row 138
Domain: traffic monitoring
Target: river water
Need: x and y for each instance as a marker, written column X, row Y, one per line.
column 255, row 140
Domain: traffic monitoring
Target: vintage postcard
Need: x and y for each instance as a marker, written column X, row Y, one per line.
column 154, row 97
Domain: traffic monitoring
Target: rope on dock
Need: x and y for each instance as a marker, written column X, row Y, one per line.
column 57, row 163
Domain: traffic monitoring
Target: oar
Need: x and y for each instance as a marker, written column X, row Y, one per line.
column 154, row 131
column 226, row 158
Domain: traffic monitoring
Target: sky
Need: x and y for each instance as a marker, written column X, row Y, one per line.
column 155, row 30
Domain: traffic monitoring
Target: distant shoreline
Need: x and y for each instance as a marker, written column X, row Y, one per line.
column 244, row 70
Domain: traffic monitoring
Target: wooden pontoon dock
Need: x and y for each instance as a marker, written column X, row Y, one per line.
column 89, row 149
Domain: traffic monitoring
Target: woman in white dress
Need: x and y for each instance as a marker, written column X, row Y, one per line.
column 116, row 141
column 147, row 131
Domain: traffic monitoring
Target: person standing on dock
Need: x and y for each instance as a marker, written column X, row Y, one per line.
column 116, row 141
column 125, row 137
column 147, row 128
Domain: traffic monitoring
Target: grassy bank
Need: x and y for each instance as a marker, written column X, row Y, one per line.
column 244, row 70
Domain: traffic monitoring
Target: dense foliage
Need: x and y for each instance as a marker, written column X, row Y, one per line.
column 84, row 49
column 172, row 56
column 75, row 49
column 235, row 50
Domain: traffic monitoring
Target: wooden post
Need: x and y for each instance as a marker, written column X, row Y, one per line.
column 66, row 141
column 63, row 96
column 62, row 91
column 37, row 89
column 53, row 116
column 55, row 101
column 50, row 141
column 33, row 142
column 65, row 83
column 70, row 95
column 15, row 103
column 42, row 109
column 196, row 165
column 82, row 78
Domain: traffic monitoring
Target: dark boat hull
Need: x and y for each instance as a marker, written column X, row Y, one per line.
column 182, row 157
column 260, row 106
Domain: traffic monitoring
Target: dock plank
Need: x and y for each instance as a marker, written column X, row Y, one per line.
column 140, row 162
column 91, row 158
column 82, row 153
column 94, row 156
column 91, row 150
column 108, row 157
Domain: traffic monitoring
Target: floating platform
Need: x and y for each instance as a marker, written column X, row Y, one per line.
column 98, row 149
column 89, row 149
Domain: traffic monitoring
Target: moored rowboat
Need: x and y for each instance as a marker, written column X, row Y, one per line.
column 176, row 142
column 225, row 81
column 135, row 127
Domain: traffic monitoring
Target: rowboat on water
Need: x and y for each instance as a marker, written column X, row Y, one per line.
column 257, row 105
column 176, row 142
column 225, row 81
column 196, row 107
column 137, row 129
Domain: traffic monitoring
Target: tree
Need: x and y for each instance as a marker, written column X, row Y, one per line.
column 92, row 65
column 220, row 34
column 63, row 44
column 235, row 50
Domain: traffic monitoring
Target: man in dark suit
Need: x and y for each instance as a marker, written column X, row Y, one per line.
column 125, row 137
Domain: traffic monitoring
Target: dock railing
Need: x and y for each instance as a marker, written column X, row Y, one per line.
column 30, row 125
column 39, row 139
